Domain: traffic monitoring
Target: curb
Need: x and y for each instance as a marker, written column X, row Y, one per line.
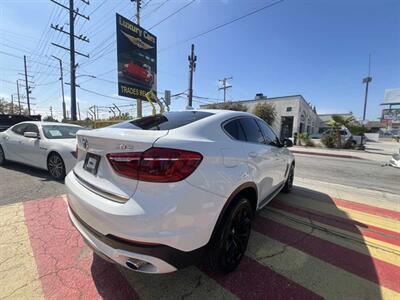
column 327, row 154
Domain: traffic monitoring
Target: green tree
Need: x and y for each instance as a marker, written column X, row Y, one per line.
column 8, row 108
column 265, row 111
column 49, row 119
column 122, row 117
column 228, row 106
column 336, row 123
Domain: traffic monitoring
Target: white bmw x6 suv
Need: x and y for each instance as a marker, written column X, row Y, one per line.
column 161, row 192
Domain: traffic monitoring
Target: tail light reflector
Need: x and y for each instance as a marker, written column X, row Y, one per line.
column 156, row 164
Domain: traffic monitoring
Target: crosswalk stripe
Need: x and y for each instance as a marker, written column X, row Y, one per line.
column 343, row 223
column 370, row 268
column 324, row 279
column 356, row 242
column 18, row 274
column 365, row 220
column 253, row 280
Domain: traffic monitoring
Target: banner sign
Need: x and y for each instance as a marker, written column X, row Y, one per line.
column 137, row 60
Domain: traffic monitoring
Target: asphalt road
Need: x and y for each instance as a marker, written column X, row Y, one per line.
column 351, row 172
column 20, row 183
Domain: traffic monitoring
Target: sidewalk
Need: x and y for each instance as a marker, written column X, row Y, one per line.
column 343, row 153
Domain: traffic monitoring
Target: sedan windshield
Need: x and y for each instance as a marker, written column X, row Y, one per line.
column 60, row 131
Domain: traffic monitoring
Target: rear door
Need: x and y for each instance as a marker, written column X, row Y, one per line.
column 278, row 152
column 260, row 157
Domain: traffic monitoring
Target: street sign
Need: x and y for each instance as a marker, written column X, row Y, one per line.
column 137, row 60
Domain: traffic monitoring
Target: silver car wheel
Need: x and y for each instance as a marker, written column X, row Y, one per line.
column 56, row 166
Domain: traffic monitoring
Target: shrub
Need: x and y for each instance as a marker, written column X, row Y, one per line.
column 265, row 111
column 228, row 106
column 329, row 140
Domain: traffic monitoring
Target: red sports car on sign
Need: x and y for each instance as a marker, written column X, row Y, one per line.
column 138, row 73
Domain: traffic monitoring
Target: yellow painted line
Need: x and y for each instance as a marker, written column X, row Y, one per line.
column 189, row 281
column 346, row 213
column 312, row 273
column 368, row 246
column 19, row 278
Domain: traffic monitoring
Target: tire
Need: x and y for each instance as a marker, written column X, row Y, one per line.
column 289, row 181
column 55, row 166
column 2, row 157
column 230, row 241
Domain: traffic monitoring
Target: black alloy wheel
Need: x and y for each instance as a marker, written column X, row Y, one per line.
column 230, row 243
column 2, row 156
column 56, row 167
column 289, row 181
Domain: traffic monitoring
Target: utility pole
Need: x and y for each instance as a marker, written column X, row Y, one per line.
column 27, row 87
column 366, row 80
column 51, row 112
column 62, row 87
column 19, row 100
column 192, row 67
column 225, row 86
column 79, row 112
column 72, row 14
column 12, row 104
column 139, row 109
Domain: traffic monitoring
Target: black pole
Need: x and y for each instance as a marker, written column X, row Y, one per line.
column 72, row 58
column 19, row 100
column 192, row 66
column 27, row 88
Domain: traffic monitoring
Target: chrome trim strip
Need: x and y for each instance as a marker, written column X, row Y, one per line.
column 100, row 192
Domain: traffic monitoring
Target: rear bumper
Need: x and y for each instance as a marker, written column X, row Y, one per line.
column 176, row 220
column 158, row 258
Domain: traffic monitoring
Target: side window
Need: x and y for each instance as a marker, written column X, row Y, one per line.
column 31, row 128
column 251, row 130
column 19, row 129
column 270, row 136
column 235, row 130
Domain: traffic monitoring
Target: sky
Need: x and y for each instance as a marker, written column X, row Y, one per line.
column 316, row 48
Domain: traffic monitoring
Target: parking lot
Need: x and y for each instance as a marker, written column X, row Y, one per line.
column 324, row 240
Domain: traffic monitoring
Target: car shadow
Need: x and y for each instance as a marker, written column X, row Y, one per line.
column 40, row 174
column 302, row 246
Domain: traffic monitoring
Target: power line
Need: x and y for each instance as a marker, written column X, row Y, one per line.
column 224, row 24
column 173, row 14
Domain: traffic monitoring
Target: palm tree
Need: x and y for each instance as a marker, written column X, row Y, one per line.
column 336, row 123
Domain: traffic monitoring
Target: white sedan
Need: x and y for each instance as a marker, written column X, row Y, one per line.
column 45, row 145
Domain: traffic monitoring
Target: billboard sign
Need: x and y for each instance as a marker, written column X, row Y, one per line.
column 391, row 114
column 137, row 60
column 392, row 96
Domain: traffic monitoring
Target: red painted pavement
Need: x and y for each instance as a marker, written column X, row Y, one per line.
column 365, row 266
column 66, row 266
column 255, row 281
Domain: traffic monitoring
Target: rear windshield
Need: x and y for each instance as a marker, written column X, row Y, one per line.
column 165, row 121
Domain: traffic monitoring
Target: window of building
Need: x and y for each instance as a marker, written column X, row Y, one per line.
column 289, row 108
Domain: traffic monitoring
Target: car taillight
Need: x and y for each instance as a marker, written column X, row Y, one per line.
column 156, row 164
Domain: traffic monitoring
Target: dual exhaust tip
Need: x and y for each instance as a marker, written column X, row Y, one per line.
column 136, row 264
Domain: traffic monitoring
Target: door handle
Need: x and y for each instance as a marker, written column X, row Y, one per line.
column 253, row 154
column 20, row 142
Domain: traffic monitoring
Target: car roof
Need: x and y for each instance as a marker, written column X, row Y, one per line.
column 47, row 123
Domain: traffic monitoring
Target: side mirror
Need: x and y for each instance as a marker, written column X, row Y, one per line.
column 30, row 134
column 287, row 143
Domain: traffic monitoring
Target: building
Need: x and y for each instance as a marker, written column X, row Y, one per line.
column 324, row 120
column 293, row 114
